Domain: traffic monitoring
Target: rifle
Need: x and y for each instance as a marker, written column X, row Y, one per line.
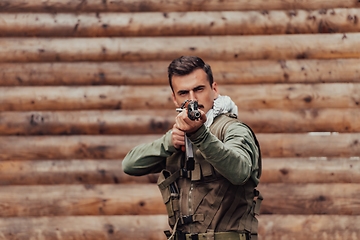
column 193, row 114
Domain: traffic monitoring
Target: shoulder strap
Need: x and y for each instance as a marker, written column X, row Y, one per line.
column 258, row 145
column 220, row 124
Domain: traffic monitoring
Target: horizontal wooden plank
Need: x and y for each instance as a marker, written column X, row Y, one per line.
column 306, row 120
column 69, row 147
column 76, row 98
column 178, row 23
column 159, row 121
column 226, row 48
column 82, row 171
column 306, row 227
column 305, row 145
column 87, row 122
column 275, row 170
column 85, row 227
column 284, row 198
column 145, row 199
column 116, row 147
column 284, row 96
column 311, row 170
column 271, row 227
column 84, row 73
column 155, row 72
column 166, row 6
column 68, row 200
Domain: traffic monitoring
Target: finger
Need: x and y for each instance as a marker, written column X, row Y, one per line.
column 203, row 117
column 180, row 138
column 180, row 124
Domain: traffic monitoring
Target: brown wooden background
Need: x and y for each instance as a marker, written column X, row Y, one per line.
column 84, row 81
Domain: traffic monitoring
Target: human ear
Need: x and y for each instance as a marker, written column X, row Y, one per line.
column 174, row 100
column 215, row 90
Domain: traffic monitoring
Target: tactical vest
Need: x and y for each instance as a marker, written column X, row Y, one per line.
column 203, row 200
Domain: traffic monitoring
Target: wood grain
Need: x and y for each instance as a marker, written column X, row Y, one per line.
column 225, row 48
column 179, row 23
column 116, row 147
column 167, row 5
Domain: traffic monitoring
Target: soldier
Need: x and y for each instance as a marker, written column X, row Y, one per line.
column 214, row 197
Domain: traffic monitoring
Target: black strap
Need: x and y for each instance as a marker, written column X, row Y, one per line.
column 258, row 145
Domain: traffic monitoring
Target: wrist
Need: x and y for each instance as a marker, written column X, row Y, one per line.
column 195, row 134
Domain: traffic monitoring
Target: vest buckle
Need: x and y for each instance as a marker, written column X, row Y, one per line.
column 185, row 173
column 194, row 236
column 187, row 219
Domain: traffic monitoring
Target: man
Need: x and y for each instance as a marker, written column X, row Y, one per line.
column 214, row 199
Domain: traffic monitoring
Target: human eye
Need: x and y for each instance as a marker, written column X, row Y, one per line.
column 182, row 93
column 199, row 89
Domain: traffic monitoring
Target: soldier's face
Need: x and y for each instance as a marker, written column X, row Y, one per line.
column 194, row 86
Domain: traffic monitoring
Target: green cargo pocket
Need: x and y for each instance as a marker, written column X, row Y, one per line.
column 170, row 194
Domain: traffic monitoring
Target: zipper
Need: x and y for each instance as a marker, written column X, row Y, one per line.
column 189, row 203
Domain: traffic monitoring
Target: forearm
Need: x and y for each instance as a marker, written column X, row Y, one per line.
column 232, row 158
column 149, row 157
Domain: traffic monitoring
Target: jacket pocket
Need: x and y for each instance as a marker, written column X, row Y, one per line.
column 170, row 194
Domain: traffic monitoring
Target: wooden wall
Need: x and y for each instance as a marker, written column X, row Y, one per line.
column 84, row 81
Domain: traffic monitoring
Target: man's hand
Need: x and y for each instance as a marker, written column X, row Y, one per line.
column 183, row 123
column 177, row 137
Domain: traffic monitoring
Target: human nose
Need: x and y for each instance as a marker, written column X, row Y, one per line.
column 192, row 95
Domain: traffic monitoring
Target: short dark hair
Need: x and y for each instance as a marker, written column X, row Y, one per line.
column 185, row 65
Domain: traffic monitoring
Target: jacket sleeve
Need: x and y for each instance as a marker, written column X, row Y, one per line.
column 236, row 158
column 149, row 157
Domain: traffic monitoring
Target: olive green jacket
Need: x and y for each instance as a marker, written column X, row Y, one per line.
column 236, row 158
column 218, row 194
